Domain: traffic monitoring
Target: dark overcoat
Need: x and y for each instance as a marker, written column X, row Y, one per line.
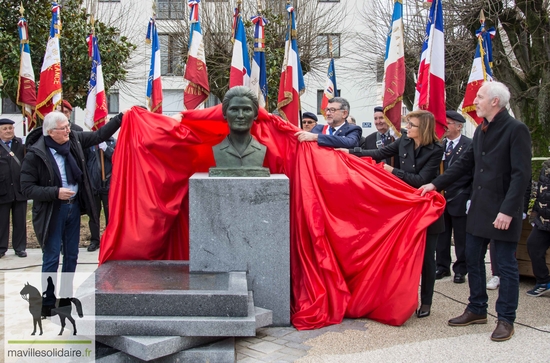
column 10, row 190
column 501, row 161
column 38, row 175
column 458, row 193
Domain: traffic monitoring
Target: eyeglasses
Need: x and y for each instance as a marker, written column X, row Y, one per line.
column 410, row 124
column 332, row 110
column 66, row 128
column 308, row 122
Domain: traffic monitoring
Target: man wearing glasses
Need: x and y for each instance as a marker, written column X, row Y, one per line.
column 309, row 121
column 11, row 200
column 54, row 175
column 456, row 195
column 338, row 133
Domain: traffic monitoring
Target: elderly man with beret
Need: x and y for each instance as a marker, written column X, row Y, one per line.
column 11, row 200
column 309, row 121
column 456, row 195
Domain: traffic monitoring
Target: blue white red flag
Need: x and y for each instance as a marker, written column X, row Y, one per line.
column 258, row 74
column 96, row 103
column 430, row 85
column 331, row 89
column 196, row 73
column 394, row 70
column 154, row 83
column 239, row 74
column 481, row 71
column 49, row 88
column 292, row 83
column 26, row 89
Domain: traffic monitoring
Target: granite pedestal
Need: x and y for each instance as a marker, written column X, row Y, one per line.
column 243, row 224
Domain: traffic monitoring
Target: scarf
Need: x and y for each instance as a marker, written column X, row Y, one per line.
column 74, row 174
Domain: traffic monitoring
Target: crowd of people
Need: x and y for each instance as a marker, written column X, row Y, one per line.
column 66, row 171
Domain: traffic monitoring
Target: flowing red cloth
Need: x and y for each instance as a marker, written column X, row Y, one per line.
column 357, row 232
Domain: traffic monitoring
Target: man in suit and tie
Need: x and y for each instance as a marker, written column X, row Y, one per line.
column 382, row 137
column 338, row 133
column 11, row 200
column 456, row 195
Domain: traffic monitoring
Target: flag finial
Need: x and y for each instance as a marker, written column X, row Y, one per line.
column 21, row 9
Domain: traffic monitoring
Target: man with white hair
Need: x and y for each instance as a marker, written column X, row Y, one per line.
column 500, row 157
column 54, row 176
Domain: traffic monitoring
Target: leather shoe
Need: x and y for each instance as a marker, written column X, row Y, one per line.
column 93, row 246
column 424, row 311
column 459, row 279
column 468, row 318
column 21, row 253
column 502, row 332
column 439, row 274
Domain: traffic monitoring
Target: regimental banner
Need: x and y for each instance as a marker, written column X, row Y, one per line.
column 49, row 317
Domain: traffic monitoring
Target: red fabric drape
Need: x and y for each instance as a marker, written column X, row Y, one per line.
column 357, row 232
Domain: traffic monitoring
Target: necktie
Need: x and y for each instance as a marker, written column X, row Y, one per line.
column 449, row 147
column 383, row 138
column 7, row 144
column 331, row 130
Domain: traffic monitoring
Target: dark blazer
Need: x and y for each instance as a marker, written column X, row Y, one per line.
column 501, row 162
column 39, row 175
column 10, row 189
column 370, row 144
column 415, row 167
column 347, row 136
column 458, row 193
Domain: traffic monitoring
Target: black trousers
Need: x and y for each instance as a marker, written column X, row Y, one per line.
column 453, row 226
column 18, row 211
column 94, row 227
column 537, row 245
column 428, row 270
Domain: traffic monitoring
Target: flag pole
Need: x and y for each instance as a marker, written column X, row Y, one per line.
column 22, row 12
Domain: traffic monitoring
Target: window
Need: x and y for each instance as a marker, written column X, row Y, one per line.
column 172, row 55
column 170, row 9
column 320, row 99
column 323, row 45
column 112, row 101
column 9, row 107
column 211, row 101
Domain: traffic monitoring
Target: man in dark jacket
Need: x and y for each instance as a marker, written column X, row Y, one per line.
column 500, row 155
column 381, row 137
column 98, row 156
column 11, row 200
column 337, row 132
column 456, row 195
column 54, row 175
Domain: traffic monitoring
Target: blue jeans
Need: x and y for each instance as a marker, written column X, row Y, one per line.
column 65, row 231
column 508, row 293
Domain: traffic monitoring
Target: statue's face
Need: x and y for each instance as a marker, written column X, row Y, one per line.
column 240, row 114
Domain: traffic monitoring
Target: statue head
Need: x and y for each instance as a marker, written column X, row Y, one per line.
column 240, row 109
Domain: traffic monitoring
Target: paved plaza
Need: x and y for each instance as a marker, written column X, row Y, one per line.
column 362, row 340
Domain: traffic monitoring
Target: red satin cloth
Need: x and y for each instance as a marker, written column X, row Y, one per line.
column 357, row 232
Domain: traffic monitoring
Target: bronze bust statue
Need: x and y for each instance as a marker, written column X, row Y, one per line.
column 239, row 154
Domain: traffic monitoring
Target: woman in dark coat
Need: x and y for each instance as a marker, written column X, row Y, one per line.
column 419, row 157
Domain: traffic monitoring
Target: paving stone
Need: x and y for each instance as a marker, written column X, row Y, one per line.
column 266, row 347
column 298, row 346
column 294, row 352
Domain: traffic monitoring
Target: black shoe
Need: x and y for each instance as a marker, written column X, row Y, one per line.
column 93, row 246
column 21, row 253
column 424, row 311
column 439, row 274
column 459, row 279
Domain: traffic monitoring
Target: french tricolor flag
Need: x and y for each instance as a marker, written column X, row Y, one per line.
column 394, row 70
column 26, row 90
column 430, row 85
column 96, row 103
column 154, row 83
column 49, row 88
column 196, row 74
column 240, row 62
column 481, row 71
column 331, row 89
column 292, row 83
